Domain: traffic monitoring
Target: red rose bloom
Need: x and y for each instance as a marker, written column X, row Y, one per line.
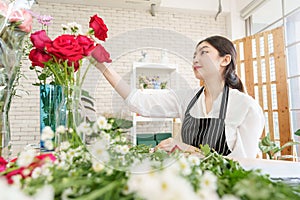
column 65, row 47
column 13, row 173
column 86, row 43
column 3, row 164
column 46, row 156
column 38, row 57
column 100, row 54
column 100, row 29
column 39, row 39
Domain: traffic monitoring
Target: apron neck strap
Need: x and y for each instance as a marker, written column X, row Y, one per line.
column 223, row 106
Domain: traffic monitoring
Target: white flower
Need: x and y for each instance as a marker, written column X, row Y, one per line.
column 97, row 166
column 108, row 126
column 47, row 133
column 9, row 192
column 36, row 172
column 64, row 27
column 123, row 139
column 17, row 180
column 99, row 151
column 141, row 167
column 184, row 166
column 45, row 193
column 71, row 154
column 64, row 145
column 26, row 172
column 194, row 160
column 208, row 181
column 208, row 194
column 124, row 149
column 46, row 168
column 75, row 28
column 60, row 129
column 85, row 128
column 229, row 197
column 165, row 184
column 101, row 123
column 70, row 130
column 106, row 138
column 49, row 144
column 25, row 158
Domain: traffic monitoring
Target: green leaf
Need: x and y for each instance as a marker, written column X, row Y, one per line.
column 205, row 149
column 288, row 144
column 297, row 132
column 121, row 123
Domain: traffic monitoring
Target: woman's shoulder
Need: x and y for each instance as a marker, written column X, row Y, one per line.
column 242, row 100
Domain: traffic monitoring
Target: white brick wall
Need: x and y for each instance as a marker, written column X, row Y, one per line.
column 129, row 31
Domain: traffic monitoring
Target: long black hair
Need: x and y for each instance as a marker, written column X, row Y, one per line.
column 224, row 47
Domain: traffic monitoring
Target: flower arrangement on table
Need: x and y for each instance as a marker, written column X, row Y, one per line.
column 146, row 82
column 15, row 24
column 117, row 170
column 59, row 62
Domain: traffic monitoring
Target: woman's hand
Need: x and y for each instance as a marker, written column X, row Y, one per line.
column 170, row 144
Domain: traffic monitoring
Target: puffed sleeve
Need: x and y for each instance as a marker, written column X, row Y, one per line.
column 157, row 103
column 249, row 131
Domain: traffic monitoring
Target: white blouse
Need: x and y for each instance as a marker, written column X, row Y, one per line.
column 244, row 121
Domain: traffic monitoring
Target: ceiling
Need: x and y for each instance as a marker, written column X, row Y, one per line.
column 209, row 6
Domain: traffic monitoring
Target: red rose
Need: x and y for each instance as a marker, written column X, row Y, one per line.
column 39, row 39
column 13, row 173
column 75, row 64
column 100, row 29
column 3, row 164
column 86, row 43
column 46, row 156
column 65, row 47
column 100, row 54
column 38, row 57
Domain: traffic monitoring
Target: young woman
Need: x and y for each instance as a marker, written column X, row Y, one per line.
column 219, row 114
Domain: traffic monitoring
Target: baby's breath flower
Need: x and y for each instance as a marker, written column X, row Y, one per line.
column 25, row 158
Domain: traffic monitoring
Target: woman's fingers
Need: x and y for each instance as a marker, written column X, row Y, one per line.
column 165, row 145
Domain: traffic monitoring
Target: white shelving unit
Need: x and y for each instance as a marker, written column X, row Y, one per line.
column 164, row 71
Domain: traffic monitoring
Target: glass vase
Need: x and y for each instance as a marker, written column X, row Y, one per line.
column 50, row 98
column 11, row 39
column 70, row 114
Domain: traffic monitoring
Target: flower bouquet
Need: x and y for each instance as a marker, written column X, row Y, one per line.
column 59, row 62
column 118, row 170
column 15, row 24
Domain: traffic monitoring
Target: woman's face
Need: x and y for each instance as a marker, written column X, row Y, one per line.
column 207, row 62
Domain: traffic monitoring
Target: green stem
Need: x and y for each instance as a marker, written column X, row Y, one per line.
column 56, row 74
column 98, row 193
column 84, row 75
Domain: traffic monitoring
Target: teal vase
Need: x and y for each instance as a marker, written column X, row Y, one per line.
column 50, row 98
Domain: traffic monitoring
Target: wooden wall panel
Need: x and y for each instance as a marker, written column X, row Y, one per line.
column 259, row 49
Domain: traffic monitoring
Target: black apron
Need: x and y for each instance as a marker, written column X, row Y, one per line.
column 211, row 131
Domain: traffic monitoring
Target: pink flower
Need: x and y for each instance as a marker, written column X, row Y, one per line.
column 45, row 20
column 24, row 17
column 3, row 8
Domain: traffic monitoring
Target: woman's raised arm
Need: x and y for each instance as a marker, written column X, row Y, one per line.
column 116, row 81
